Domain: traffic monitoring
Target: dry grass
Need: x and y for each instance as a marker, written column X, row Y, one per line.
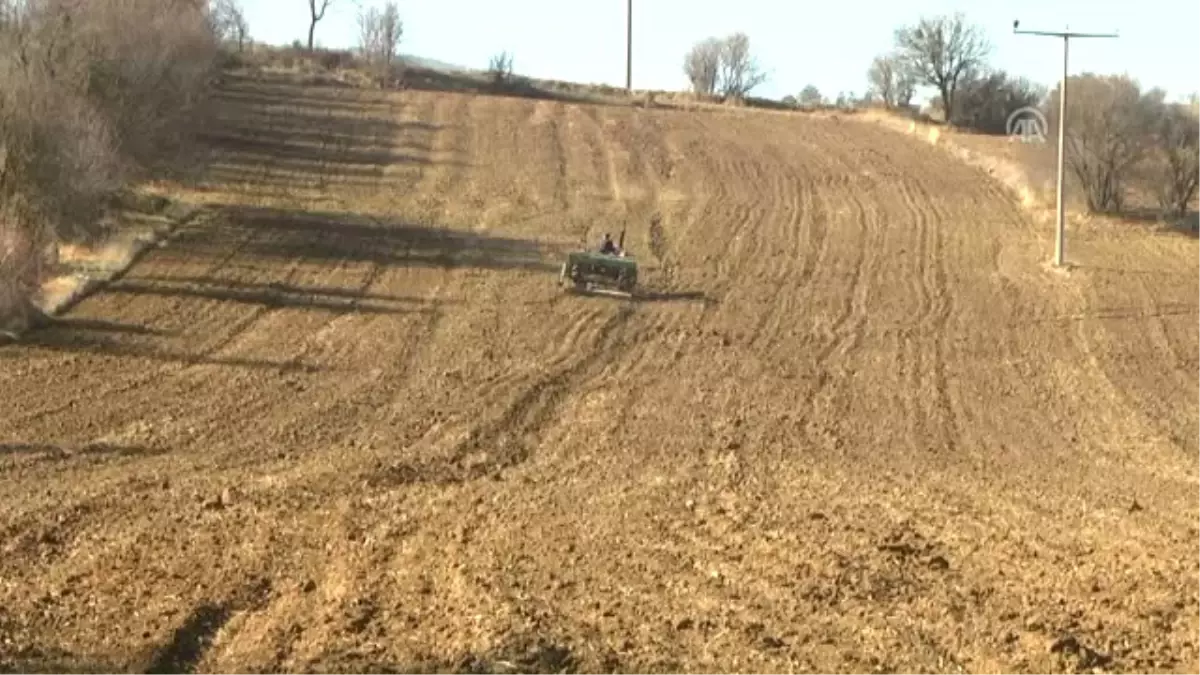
column 92, row 96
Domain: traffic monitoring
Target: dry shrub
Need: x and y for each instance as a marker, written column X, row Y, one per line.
column 92, row 93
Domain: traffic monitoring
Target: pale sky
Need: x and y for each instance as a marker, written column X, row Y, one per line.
column 829, row 44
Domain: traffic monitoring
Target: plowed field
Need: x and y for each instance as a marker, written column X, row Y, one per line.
column 347, row 420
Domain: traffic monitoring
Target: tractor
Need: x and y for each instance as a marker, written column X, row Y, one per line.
column 587, row 270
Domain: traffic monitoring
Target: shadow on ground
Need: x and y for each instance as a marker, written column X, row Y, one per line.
column 268, row 295
column 342, row 237
column 63, row 452
column 1162, row 311
column 644, row 295
column 279, row 134
column 515, row 655
column 190, row 641
column 63, row 337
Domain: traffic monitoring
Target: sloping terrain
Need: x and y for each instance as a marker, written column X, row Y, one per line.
column 346, row 419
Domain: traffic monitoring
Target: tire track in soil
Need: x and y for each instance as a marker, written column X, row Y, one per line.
column 581, row 316
column 724, row 217
column 592, row 195
column 939, row 312
column 715, row 204
column 631, row 136
column 847, row 328
column 570, row 326
column 556, row 122
column 1105, row 346
column 673, row 172
column 911, row 356
column 412, row 179
column 510, row 439
column 778, row 269
column 653, row 158
column 558, row 156
column 420, row 182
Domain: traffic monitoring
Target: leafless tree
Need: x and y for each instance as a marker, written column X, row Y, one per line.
column 379, row 34
column 92, row 93
column 892, row 80
column 316, row 12
column 725, row 66
column 702, row 66
column 229, row 22
column 1110, row 129
column 500, row 68
column 739, row 69
column 939, row 51
column 1177, row 157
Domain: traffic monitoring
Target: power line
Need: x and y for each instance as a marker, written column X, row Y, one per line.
column 1062, row 120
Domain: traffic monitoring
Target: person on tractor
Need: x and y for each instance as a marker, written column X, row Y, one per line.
column 608, row 246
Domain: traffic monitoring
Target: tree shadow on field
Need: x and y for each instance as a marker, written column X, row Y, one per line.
column 520, row 653
column 67, row 337
column 342, row 237
column 280, row 134
column 271, row 293
column 54, row 451
column 1130, row 313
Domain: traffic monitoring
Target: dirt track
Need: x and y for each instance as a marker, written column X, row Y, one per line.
column 348, row 421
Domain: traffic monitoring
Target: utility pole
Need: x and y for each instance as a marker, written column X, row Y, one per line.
column 629, row 47
column 1066, row 35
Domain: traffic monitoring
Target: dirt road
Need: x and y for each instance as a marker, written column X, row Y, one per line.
column 346, row 420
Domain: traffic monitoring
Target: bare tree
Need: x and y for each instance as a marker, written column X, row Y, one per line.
column 379, row 34
column 229, row 22
column 1110, row 129
column 1177, row 161
column 91, row 94
column 500, row 69
column 316, row 12
column 739, row 70
column 940, row 51
column 702, row 66
column 892, row 80
column 882, row 78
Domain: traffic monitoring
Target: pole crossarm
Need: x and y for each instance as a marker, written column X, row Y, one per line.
column 1065, row 36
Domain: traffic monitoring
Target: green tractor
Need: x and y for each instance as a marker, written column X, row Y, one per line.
column 589, row 270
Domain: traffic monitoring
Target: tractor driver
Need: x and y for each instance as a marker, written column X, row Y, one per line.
column 607, row 246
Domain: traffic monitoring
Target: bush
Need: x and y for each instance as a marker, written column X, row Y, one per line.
column 335, row 59
column 1110, row 132
column 985, row 100
column 91, row 95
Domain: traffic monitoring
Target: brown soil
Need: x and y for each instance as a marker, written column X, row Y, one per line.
column 347, row 420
